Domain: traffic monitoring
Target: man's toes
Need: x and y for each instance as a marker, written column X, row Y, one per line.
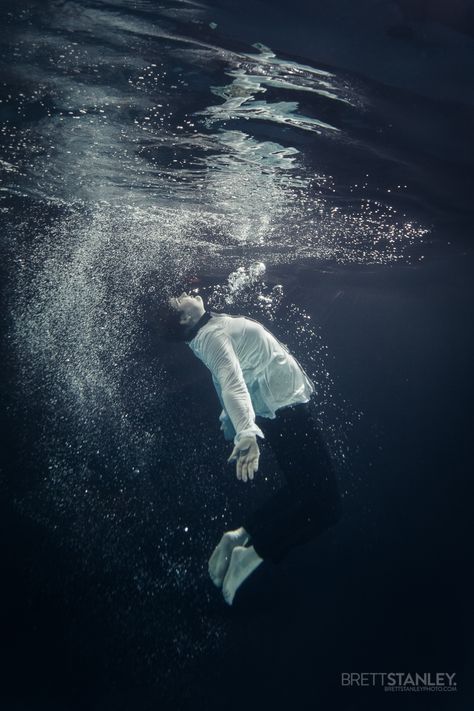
column 228, row 594
column 229, row 599
column 216, row 578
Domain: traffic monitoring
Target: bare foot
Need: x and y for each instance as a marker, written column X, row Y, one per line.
column 243, row 562
column 219, row 560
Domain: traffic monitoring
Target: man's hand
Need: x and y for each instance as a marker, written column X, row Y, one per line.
column 247, row 454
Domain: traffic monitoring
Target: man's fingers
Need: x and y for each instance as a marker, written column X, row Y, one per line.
column 241, row 469
column 246, row 461
column 253, row 467
column 246, row 468
column 250, row 466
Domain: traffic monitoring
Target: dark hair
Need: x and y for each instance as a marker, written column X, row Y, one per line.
column 169, row 327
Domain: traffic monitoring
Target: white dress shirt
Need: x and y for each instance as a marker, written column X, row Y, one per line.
column 253, row 373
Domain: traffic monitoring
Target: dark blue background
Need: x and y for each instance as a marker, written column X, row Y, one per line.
column 387, row 590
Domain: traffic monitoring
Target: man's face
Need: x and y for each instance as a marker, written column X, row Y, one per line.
column 189, row 306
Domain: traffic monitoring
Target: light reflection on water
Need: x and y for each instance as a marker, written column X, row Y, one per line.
column 105, row 124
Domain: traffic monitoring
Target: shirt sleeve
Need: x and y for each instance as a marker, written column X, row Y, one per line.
column 219, row 356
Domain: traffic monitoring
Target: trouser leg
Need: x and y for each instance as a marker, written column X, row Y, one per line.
column 309, row 501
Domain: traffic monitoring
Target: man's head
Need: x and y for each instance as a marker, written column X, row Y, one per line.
column 190, row 308
column 184, row 311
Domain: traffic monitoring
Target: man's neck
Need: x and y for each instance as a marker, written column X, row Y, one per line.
column 192, row 331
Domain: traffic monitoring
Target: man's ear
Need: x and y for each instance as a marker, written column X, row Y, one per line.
column 184, row 320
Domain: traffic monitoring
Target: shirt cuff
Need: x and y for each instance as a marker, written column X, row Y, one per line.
column 254, row 430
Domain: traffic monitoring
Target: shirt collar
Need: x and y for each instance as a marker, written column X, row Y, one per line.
column 192, row 332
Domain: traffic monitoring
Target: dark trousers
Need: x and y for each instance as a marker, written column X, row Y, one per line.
column 309, row 502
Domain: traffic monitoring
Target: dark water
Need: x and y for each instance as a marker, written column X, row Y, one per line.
column 310, row 164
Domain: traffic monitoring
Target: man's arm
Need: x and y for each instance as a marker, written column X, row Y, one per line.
column 219, row 356
column 226, row 426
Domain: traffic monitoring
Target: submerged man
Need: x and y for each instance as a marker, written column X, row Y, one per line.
column 261, row 386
